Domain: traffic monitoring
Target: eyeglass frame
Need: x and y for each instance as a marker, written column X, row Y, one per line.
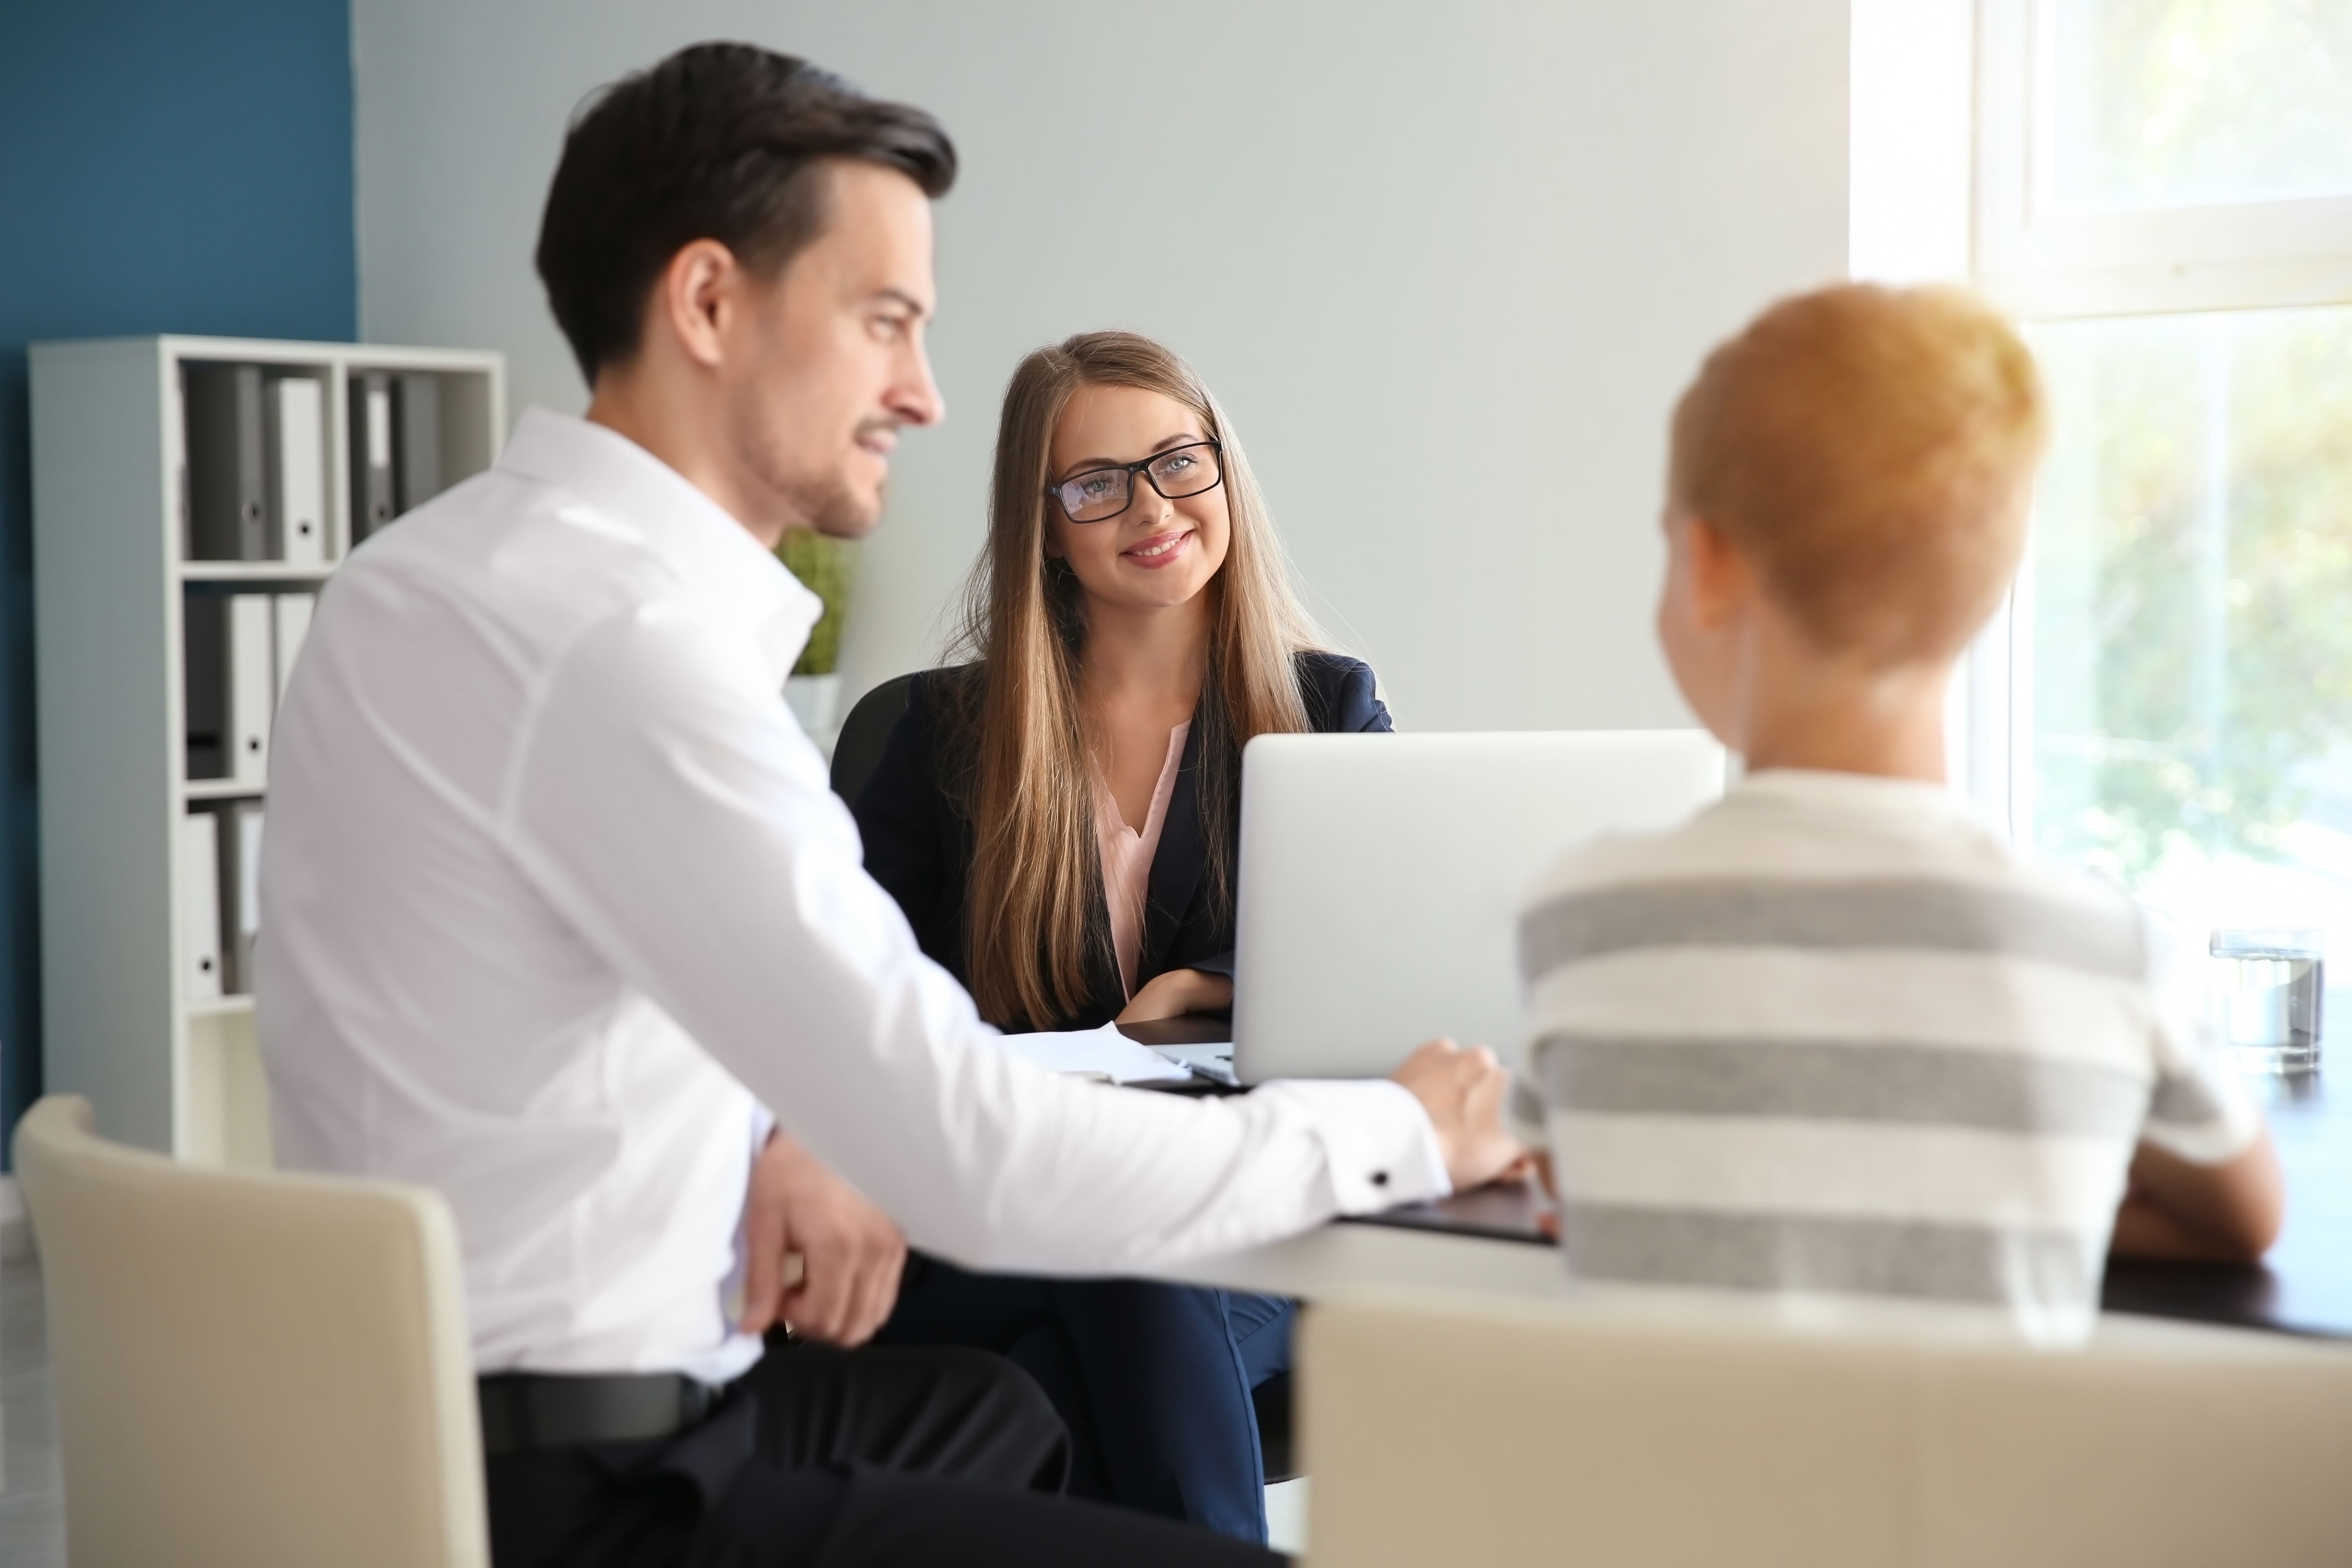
column 1054, row 490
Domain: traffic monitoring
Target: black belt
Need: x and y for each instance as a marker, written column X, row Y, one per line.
column 539, row 1410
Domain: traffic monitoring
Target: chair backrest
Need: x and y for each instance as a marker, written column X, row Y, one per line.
column 858, row 748
column 251, row 1370
column 1447, row 1431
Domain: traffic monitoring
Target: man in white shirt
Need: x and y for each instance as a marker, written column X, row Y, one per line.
column 559, row 900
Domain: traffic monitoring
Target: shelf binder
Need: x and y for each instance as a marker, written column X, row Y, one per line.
column 252, row 686
column 232, row 672
column 294, row 434
column 373, row 503
column 200, row 912
column 240, row 880
column 418, row 439
column 293, row 611
column 227, row 499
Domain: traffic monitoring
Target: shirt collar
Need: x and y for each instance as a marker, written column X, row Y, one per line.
column 693, row 534
column 1854, row 793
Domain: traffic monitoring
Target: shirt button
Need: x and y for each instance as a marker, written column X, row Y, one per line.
column 1380, row 1178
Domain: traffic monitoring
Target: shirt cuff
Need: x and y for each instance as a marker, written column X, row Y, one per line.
column 1378, row 1144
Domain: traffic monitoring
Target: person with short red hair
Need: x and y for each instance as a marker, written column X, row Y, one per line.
column 1835, row 1049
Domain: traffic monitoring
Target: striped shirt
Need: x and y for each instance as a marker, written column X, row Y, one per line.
column 1833, row 1046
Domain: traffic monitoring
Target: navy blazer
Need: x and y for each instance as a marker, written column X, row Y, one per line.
column 918, row 842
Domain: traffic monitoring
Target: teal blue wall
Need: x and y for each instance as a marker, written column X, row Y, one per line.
column 164, row 168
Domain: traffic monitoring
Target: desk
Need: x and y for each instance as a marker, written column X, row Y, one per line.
column 2304, row 1286
column 1487, row 1241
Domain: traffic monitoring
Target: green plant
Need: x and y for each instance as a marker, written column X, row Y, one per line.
column 827, row 568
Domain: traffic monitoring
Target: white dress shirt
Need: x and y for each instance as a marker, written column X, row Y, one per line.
column 556, row 896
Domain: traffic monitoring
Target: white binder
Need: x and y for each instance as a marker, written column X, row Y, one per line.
column 200, row 921
column 252, row 686
column 297, row 470
column 293, row 625
column 240, row 864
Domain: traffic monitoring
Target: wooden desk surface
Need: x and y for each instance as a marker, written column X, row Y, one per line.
column 2304, row 1286
column 1486, row 1240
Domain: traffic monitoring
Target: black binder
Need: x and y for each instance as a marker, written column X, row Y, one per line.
column 228, row 502
column 418, row 436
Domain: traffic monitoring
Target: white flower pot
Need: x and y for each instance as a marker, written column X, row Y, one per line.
column 815, row 702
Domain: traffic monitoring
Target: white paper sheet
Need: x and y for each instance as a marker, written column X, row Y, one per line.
column 1103, row 1053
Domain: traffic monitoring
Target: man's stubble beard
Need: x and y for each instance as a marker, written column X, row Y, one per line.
column 814, row 496
column 828, row 504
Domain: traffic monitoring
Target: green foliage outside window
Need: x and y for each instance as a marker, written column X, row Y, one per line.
column 827, row 568
column 2171, row 102
column 2193, row 585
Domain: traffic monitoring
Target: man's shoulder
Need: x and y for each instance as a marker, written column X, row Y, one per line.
column 511, row 548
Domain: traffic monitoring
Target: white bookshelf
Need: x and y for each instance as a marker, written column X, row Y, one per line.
column 174, row 1071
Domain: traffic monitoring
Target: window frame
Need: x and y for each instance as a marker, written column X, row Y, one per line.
column 2038, row 260
column 2040, row 264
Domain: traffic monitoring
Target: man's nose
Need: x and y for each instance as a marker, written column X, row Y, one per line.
column 915, row 397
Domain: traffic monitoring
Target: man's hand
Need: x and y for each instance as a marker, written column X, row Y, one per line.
column 1462, row 1092
column 1177, row 993
column 848, row 1252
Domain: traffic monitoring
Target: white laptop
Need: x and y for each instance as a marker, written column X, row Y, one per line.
column 1382, row 876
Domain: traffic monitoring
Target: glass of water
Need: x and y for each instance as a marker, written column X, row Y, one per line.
column 2267, row 986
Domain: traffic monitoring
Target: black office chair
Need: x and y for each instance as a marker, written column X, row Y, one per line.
column 858, row 750
column 855, row 753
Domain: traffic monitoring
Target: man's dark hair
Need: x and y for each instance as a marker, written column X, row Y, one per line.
column 718, row 141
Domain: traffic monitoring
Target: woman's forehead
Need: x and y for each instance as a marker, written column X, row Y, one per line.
column 1118, row 424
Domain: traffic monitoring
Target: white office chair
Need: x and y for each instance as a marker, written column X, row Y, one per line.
column 1482, row 1432
column 252, row 1371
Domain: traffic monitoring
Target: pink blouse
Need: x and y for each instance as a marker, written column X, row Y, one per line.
column 1127, row 857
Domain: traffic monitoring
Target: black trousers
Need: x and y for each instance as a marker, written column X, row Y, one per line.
column 828, row 1458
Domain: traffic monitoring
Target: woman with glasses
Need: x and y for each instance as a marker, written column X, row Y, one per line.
column 1059, row 818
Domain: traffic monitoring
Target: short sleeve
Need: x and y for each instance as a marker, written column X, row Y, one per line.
column 2198, row 1107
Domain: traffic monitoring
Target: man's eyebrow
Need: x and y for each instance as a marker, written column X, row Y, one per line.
column 901, row 296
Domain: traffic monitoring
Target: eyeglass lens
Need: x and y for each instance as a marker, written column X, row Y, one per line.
column 1102, row 493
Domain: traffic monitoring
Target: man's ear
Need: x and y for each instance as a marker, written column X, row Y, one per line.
column 1722, row 580
column 694, row 297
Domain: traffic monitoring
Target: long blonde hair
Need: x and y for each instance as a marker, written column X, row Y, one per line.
column 1033, row 922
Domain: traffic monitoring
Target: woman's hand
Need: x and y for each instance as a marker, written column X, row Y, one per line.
column 1176, row 992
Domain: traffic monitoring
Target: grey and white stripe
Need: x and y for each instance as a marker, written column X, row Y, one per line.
column 1839, row 1081
column 1983, row 1265
column 1934, row 913
column 1834, row 1043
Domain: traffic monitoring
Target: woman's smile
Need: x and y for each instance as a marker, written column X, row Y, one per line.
column 1158, row 549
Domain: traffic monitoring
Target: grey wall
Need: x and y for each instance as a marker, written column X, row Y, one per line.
column 1461, row 259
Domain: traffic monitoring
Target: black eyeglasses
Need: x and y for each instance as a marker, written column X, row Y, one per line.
column 1098, row 495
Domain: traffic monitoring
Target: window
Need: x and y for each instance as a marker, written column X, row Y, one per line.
column 2144, row 155
column 2164, row 193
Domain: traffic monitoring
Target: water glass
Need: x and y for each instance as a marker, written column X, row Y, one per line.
column 2267, row 986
